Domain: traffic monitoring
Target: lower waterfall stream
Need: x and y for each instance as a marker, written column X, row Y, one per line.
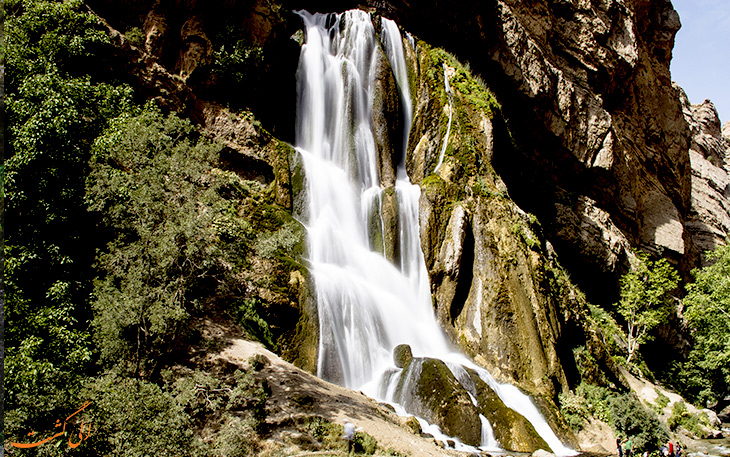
column 367, row 304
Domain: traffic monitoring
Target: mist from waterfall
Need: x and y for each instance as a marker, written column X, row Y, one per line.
column 367, row 305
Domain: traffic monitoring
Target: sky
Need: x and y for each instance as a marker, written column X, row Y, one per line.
column 701, row 57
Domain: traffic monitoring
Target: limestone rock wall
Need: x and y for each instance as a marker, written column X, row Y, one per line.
column 709, row 152
column 580, row 150
column 586, row 89
column 495, row 291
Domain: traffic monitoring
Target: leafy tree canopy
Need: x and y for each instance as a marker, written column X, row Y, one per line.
column 707, row 308
column 54, row 111
column 646, row 299
column 177, row 241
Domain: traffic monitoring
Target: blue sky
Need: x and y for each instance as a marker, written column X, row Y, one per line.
column 701, row 57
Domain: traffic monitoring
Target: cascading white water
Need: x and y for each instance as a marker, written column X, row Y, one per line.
column 363, row 299
column 366, row 305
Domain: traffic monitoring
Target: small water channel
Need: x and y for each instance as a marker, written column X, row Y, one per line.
column 711, row 447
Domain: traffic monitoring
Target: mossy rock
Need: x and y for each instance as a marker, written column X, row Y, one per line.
column 414, row 425
column 512, row 430
column 429, row 390
column 402, row 355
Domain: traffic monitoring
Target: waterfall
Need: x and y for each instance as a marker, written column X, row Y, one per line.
column 366, row 304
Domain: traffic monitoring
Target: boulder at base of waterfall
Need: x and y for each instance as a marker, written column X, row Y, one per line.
column 511, row 429
column 402, row 355
column 542, row 453
column 429, row 390
column 412, row 423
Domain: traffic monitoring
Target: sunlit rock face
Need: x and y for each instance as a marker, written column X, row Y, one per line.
column 709, row 219
column 457, row 407
column 587, row 92
column 607, row 156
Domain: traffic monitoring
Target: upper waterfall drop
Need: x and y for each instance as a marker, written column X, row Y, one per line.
column 366, row 304
column 363, row 299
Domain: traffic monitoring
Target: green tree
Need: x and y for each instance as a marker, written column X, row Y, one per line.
column 707, row 308
column 137, row 418
column 646, row 299
column 629, row 418
column 177, row 241
column 54, row 111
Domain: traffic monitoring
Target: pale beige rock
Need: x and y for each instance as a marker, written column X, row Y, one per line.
column 596, row 437
column 197, row 50
column 591, row 79
column 155, row 31
column 709, row 218
column 597, row 235
column 332, row 402
column 661, row 223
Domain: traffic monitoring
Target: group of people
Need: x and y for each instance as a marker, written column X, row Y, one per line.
column 671, row 450
column 625, row 448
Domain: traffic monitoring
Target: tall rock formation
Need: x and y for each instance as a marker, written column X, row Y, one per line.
column 586, row 89
column 575, row 147
column 709, row 152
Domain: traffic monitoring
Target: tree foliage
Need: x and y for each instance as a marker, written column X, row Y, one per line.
column 706, row 374
column 176, row 239
column 54, row 111
column 630, row 418
column 133, row 417
column 646, row 299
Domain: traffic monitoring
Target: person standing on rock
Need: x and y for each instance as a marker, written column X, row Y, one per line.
column 619, row 448
column 349, row 435
column 628, row 447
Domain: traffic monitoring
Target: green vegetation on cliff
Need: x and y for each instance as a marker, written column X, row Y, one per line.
column 646, row 300
column 177, row 242
column 55, row 109
column 122, row 227
column 705, row 376
column 626, row 415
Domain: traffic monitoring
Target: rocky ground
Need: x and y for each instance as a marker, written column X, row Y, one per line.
column 297, row 397
column 296, row 394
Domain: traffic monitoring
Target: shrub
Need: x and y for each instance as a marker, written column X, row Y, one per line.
column 364, row 443
column 133, row 417
column 696, row 424
column 588, row 401
column 324, row 431
column 573, row 409
column 597, row 400
column 248, row 313
column 236, row 438
column 135, row 36
column 630, row 418
column 660, row 403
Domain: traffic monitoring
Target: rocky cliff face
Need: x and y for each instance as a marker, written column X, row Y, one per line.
column 709, row 152
column 585, row 86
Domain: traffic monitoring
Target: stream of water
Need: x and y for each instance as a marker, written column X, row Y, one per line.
column 367, row 305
